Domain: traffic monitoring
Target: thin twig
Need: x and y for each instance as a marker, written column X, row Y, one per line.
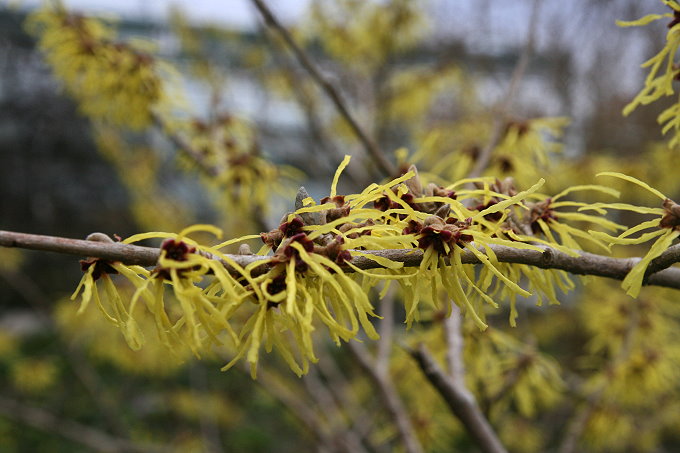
column 198, row 158
column 390, row 397
column 454, row 345
column 369, row 145
column 461, row 402
column 128, row 254
column 511, row 378
column 307, row 417
column 502, row 109
column 359, row 418
column 185, row 147
column 579, row 422
column 386, row 330
column 76, row 432
column 333, row 413
column 318, row 136
column 583, row 264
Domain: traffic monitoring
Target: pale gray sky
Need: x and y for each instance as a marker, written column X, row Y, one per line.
column 233, row 12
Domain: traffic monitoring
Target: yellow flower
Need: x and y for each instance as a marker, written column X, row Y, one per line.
column 544, row 217
column 666, row 225
column 311, row 274
column 663, row 71
column 113, row 81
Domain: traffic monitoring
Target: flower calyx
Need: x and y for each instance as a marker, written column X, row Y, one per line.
column 173, row 250
column 286, row 229
column 416, row 190
column 520, row 127
column 440, row 234
column 433, row 190
column 341, row 208
column 676, row 19
column 505, row 187
column 351, row 230
column 101, row 266
column 332, row 250
column 540, row 211
column 275, row 286
column 671, row 217
column 286, row 251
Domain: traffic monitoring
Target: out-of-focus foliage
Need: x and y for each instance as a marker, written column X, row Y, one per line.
column 85, row 56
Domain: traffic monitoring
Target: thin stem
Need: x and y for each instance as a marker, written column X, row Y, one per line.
column 323, row 397
column 369, row 145
column 76, row 432
column 319, row 139
column 185, row 147
column 461, row 402
column 454, row 341
column 307, row 416
column 503, row 107
column 199, row 159
column 388, row 393
column 109, row 251
column 359, row 419
column 386, row 329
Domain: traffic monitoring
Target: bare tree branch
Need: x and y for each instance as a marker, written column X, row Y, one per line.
column 319, row 137
column 198, row 158
column 386, row 329
column 461, row 402
column 185, row 147
column 388, row 394
column 369, row 145
column 323, row 396
column 583, row 264
column 76, row 432
column 454, row 345
column 307, row 416
column 110, row 251
column 502, row 109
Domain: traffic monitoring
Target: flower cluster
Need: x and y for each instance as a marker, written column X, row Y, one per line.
column 665, row 225
column 227, row 150
column 316, row 270
column 113, row 81
column 663, row 71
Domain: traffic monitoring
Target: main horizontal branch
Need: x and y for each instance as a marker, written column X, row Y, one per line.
column 583, row 264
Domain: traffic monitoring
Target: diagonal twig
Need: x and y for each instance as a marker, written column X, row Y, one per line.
column 76, row 432
column 454, row 345
column 387, row 168
column 307, row 416
column 503, row 107
column 389, row 396
column 461, row 402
